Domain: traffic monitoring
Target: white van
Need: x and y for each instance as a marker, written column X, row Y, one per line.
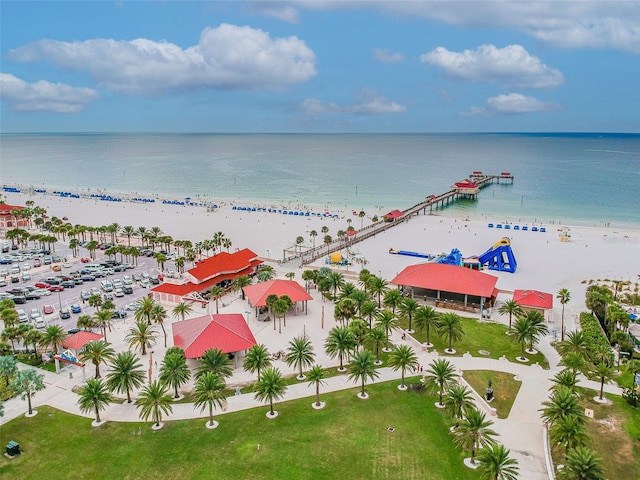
column 22, row 316
column 106, row 285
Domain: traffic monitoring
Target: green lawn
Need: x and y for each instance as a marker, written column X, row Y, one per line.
column 614, row 433
column 505, row 388
column 346, row 440
column 481, row 339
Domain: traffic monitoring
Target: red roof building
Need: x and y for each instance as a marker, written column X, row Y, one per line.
column 392, row 215
column 533, row 300
column 466, row 187
column 448, row 282
column 227, row 332
column 257, row 294
column 207, row 274
column 8, row 220
column 79, row 340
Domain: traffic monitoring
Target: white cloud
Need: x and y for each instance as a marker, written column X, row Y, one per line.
column 600, row 24
column 512, row 104
column 511, row 66
column 367, row 104
column 387, row 56
column 43, row 96
column 226, row 57
column 286, row 13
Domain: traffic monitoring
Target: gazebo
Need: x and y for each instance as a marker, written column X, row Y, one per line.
column 73, row 345
column 257, row 294
column 393, row 215
column 449, row 285
column 533, row 300
column 227, row 332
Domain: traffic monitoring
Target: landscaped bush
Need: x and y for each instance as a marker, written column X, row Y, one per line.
column 591, row 329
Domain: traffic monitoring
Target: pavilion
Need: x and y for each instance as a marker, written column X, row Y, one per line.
column 393, row 215
column 449, row 285
column 533, row 300
column 227, row 332
column 257, row 294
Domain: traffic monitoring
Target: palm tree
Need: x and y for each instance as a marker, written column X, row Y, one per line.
column 53, row 336
column 426, row 318
column 563, row 296
column 102, row 319
column 495, row 463
column 143, row 312
column 8, row 367
column 216, row 293
column 270, row 387
column 315, row 376
column 565, row 378
column 158, row 316
column 336, row 280
column 208, row 393
column 182, row 310
column 576, row 342
column 126, row 374
column 85, row 322
column 581, row 463
column 450, row 327
column 95, row 301
column 401, row 358
column 521, row 333
column 97, row 352
column 340, row 341
column 141, row 335
column 568, row 432
column 313, row 234
column 511, row 308
column 240, row 283
column 603, row 372
column 408, row 309
column 214, row 361
column 377, row 287
column 562, row 403
column 369, row 310
column 361, row 367
column 538, row 328
column 300, row 354
column 154, row 401
column 25, row 384
column 280, row 307
column 377, row 338
column 386, row 320
column 345, row 310
column 458, row 400
column 94, row 396
column 393, row 299
column 440, row 374
column 174, row 372
column 256, row 359
column 473, row 432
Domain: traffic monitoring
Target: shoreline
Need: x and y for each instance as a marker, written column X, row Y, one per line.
column 208, row 201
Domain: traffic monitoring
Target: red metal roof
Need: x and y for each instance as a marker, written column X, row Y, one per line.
column 447, row 278
column 223, row 263
column 186, row 288
column 466, row 183
column 7, row 209
column 533, row 298
column 228, row 332
column 257, row 294
column 80, row 339
column 394, row 214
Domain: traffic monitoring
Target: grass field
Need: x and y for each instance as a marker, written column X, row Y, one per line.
column 505, row 388
column 346, row 440
column 481, row 339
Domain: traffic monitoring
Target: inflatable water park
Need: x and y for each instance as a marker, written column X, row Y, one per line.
column 498, row 257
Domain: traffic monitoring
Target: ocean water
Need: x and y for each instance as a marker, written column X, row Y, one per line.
column 573, row 178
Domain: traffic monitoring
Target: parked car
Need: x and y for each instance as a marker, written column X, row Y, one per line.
column 118, row 292
column 120, row 313
column 85, row 260
column 133, row 306
column 73, row 331
column 128, row 289
column 88, row 278
column 34, row 313
column 94, row 291
column 26, row 277
column 56, row 268
column 40, row 323
column 32, row 295
column 47, row 309
column 75, row 308
column 42, row 292
column 15, row 279
column 68, row 284
column 84, row 295
column 65, row 313
column 22, row 316
column 3, row 283
column 56, row 288
column 37, row 262
column 42, row 285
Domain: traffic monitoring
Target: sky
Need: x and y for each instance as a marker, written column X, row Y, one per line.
column 320, row 66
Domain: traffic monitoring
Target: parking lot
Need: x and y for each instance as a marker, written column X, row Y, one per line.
column 59, row 290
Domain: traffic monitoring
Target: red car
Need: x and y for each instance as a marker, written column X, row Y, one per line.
column 85, row 260
column 56, row 288
column 47, row 309
column 42, row 285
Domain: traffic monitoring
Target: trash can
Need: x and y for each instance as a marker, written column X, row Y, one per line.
column 13, row 448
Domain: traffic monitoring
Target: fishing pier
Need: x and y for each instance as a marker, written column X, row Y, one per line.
column 468, row 188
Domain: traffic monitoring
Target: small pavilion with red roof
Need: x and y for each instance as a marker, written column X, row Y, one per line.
column 227, row 332
column 223, row 267
column 448, row 283
column 393, row 215
column 533, row 300
column 466, row 187
column 257, row 294
column 73, row 346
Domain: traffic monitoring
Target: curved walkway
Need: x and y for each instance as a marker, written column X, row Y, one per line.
column 521, row 431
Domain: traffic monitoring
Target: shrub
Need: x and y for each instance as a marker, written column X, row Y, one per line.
column 593, row 333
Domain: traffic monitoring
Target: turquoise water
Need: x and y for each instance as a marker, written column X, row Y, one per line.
column 580, row 178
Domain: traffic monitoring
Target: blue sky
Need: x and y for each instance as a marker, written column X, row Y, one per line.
column 320, row 66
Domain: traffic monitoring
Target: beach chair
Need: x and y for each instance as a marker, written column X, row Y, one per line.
column 499, row 225
column 507, row 227
column 525, row 228
column 490, row 225
column 542, row 229
column 534, row 229
column 516, row 227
